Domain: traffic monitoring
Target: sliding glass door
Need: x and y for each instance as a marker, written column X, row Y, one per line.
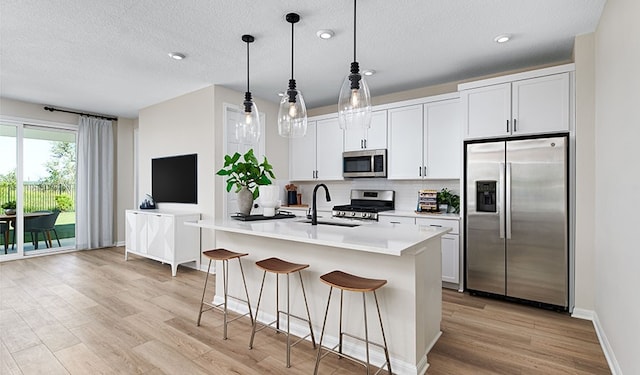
column 8, row 188
column 39, row 174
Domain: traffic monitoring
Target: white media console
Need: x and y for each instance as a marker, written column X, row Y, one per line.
column 163, row 236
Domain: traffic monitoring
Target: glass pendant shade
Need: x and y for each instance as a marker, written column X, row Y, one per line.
column 354, row 104
column 354, row 101
column 292, row 115
column 248, row 124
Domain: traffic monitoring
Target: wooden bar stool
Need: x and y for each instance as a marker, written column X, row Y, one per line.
column 224, row 255
column 348, row 282
column 278, row 267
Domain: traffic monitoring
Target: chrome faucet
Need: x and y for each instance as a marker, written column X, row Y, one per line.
column 314, row 210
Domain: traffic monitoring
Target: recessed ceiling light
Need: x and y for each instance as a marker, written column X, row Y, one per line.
column 368, row 72
column 325, row 34
column 177, row 55
column 503, row 38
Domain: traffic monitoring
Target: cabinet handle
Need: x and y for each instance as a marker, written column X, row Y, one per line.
column 434, row 225
column 507, row 126
column 515, row 128
column 420, row 171
column 361, row 144
column 425, row 171
column 365, row 143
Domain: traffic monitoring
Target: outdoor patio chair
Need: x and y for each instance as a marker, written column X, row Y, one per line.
column 42, row 224
column 4, row 231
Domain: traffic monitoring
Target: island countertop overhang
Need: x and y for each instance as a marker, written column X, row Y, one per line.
column 381, row 238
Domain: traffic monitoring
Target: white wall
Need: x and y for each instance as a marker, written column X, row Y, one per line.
column 584, row 50
column 182, row 125
column 617, row 130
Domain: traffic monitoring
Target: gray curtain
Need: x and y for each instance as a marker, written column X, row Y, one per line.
column 95, row 165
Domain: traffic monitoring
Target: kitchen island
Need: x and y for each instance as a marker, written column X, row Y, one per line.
column 408, row 257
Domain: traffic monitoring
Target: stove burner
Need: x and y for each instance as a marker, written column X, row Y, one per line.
column 365, row 205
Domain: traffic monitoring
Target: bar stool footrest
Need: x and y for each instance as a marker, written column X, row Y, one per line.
column 353, row 359
column 346, row 356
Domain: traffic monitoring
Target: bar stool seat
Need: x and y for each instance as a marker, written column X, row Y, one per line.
column 282, row 267
column 224, row 255
column 345, row 281
column 352, row 283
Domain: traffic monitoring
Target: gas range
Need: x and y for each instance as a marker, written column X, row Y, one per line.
column 365, row 204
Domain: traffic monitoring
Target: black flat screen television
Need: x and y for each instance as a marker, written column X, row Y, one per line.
column 174, row 179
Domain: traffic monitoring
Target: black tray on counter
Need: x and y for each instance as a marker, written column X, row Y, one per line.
column 242, row 217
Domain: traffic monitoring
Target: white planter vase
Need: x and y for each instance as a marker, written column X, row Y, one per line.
column 268, row 199
column 245, row 201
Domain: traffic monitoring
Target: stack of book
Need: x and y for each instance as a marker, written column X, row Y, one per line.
column 427, row 201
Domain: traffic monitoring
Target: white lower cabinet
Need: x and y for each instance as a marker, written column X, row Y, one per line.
column 450, row 242
column 397, row 220
column 450, row 247
column 162, row 236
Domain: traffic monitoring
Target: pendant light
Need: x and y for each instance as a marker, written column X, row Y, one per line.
column 248, row 126
column 354, row 102
column 292, row 114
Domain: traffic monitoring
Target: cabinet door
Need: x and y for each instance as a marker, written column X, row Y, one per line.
column 373, row 138
column 142, row 228
column 160, row 236
column 329, row 150
column 450, row 258
column 302, row 157
column 405, row 142
column 541, row 105
column 487, row 111
column 443, row 139
column 131, row 231
column 397, row 220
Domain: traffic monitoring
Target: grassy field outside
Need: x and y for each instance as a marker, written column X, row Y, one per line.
column 66, row 218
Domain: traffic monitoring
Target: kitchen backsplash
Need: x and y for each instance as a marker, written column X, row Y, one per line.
column 406, row 191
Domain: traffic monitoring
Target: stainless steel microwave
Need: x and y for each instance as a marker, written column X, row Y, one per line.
column 364, row 163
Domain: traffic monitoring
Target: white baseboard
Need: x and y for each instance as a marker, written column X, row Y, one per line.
column 352, row 348
column 614, row 367
column 582, row 314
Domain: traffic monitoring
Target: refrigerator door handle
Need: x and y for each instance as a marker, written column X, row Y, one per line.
column 508, row 201
column 499, row 200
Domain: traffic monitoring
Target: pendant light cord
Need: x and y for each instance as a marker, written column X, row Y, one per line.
column 354, row 30
column 247, row 66
column 292, row 39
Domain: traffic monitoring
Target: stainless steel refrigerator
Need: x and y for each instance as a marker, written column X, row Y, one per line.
column 516, row 218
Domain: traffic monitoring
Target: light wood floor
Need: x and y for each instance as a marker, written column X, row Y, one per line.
column 91, row 312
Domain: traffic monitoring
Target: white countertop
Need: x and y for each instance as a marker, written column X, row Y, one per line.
column 372, row 237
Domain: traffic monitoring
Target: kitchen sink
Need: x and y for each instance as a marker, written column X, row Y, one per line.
column 330, row 222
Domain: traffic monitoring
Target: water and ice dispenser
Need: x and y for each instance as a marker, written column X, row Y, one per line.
column 486, row 196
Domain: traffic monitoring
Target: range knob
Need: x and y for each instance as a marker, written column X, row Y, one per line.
column 353, row 214
column 365, row 215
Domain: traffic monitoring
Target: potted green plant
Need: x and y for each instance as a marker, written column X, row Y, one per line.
column 9, row 207
column 246, row 173
column 447, row 201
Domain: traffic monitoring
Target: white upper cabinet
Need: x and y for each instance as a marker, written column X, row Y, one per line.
column 540, row 105
column 487, row 111
column 329, row 140
column 302, row 160
column 443, row 139
column 404, row 157
column 373, row 138
column 425, row 141
column 317, row 155
column 533, row 102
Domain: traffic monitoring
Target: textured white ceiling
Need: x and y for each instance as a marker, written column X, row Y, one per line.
column 111, row 56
